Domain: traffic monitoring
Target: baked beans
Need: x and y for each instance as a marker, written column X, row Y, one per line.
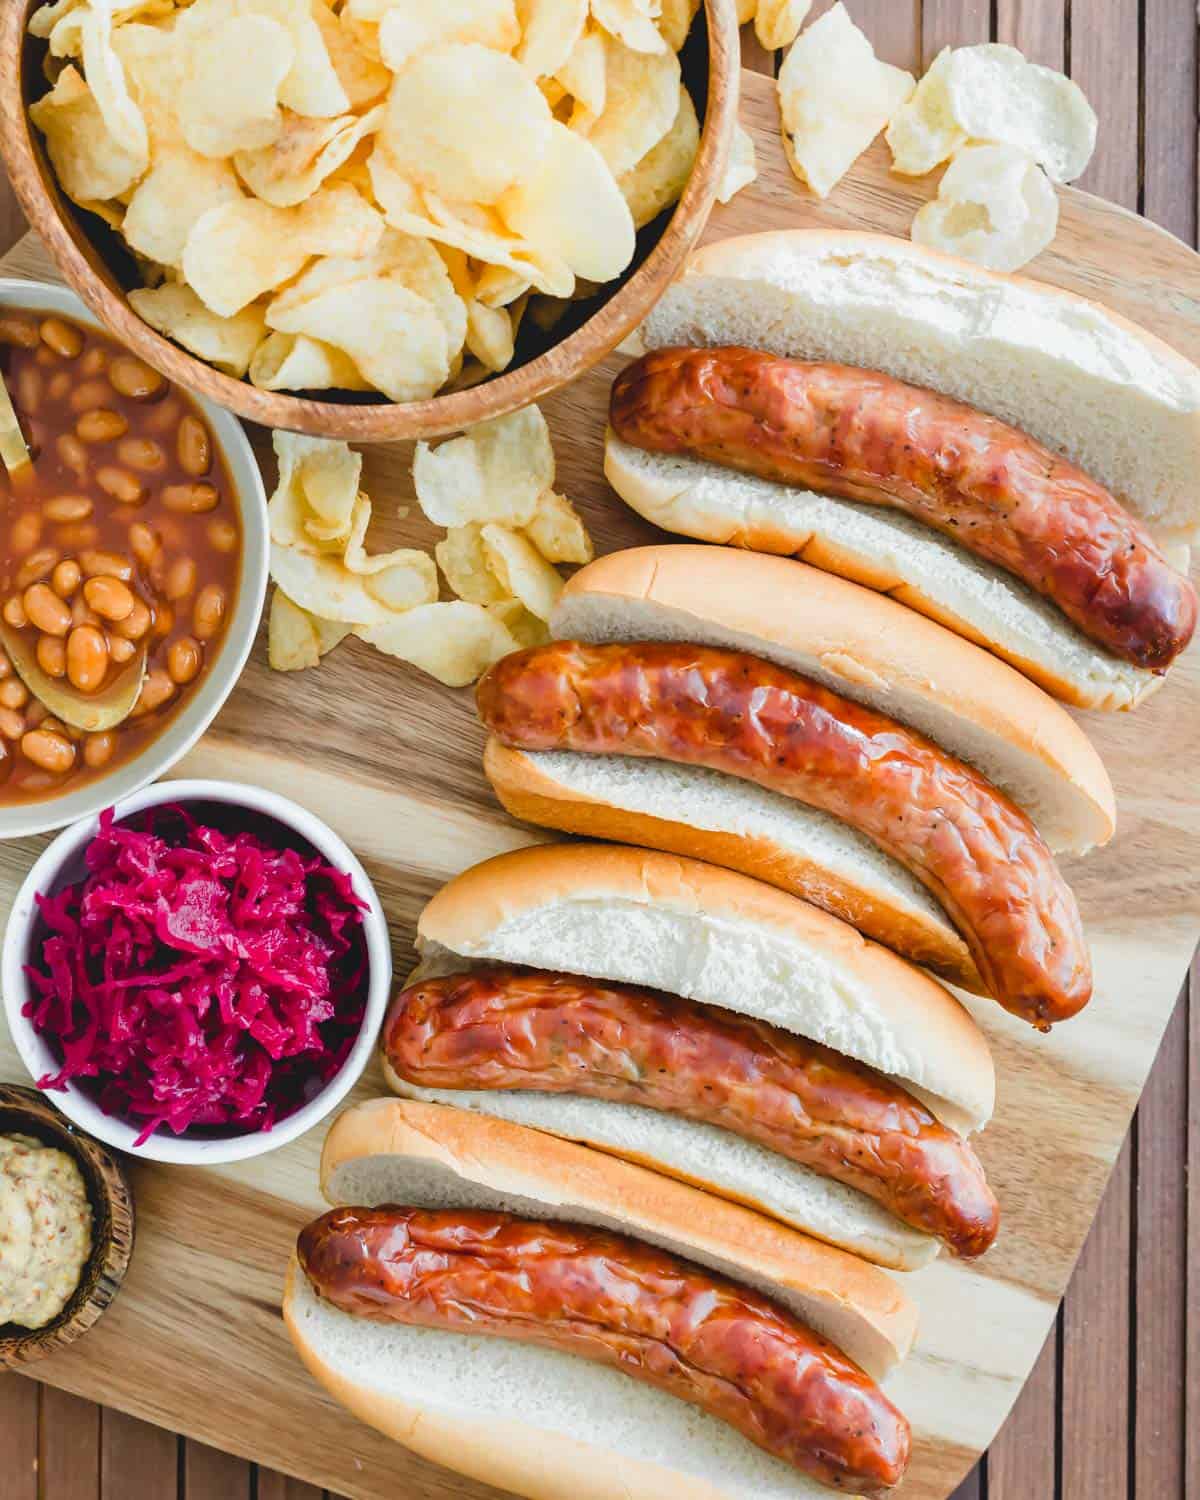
column 63, row 338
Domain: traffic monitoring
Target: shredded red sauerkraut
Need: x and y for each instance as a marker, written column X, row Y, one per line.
column 197, row 978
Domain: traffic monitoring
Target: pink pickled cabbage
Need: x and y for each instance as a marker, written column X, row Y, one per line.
column 199, row 979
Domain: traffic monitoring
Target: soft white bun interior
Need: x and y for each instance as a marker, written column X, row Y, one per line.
column 1115, row 400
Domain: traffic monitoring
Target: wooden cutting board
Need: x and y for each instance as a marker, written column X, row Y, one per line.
column 391, row 760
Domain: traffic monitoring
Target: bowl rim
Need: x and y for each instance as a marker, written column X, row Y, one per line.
column 165, row 1147
column 48, row 212
column 22, row 819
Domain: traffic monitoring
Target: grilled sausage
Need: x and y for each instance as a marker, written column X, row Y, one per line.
column 500, row 1028
column 614, row 1300
column 868, row 437
column 698, row 705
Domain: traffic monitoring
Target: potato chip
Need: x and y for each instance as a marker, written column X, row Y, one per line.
column 319, row 478
column 330, row 633
column 675, row 21
column 410, row 27
column 662, row 174
column 466, row 122
column 641, row 103
column 291, row 362
column 106, row 78
column 179, row 188
column 745, row 10
column 43, row 20
column 311, row 86
column 455, row 642
column 777, row 23
column 922, row 134
column 499, row 286
column 489, row 335
column 631, row 22
column 324, row 586
column 521, row 569
column 360, row 73
column 154, row 65
column 66, row 37
column 558, row 532
column 494, row 472
column 742, row 167
column 292, row 644
column 573, row 209
column 526, row 629
column 584, row 75
column 461, row 557
column 994, row 206
column 993, row 94
column 88, row 162
column 305, row 153
column 405, row 584
column 549, row 30
column 175, row 310
column 835, row 96
column 229, row 97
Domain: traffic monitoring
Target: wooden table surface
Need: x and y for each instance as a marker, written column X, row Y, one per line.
column 1112, row 1411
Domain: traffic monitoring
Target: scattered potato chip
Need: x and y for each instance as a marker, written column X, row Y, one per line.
column 325, row 586
column 89, row 163
column 442, row 118
column 631, row 22
column 835, row 96
column 923, row 134
column 526, row 629
column 360, row 73
column 675, row 21
column 291, row 362
column 549, row 31
column 521, row 569
column 292, row 644
column 455, row 642
column 490, row 335
column 558, row 532
column 584, row 75
column 317, row 477
column 106, row 78
column 229, row 97
column 411, row 27
column 330, row 633
column 405, row 584
column 305, row 153
column 461, row 557
column 641, row 103
column 742, row 167
column 179, row 188
column 175, row 310
column 656, row 181
column 573, row 209
column 495, row 472
column 993, row 94
column 777, row 23
column 994, row 206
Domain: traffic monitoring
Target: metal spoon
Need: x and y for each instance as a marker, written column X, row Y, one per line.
column 92, row 712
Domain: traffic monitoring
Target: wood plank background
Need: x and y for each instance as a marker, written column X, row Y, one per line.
column 1112, row 1411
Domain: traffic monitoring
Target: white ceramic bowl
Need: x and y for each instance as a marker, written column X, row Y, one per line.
column 62, row 862
column 206, row 700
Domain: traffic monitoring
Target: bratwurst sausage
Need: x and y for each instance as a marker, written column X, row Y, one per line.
column 614, row 1300
column 502, row 1028
column 698, row 705
column 867, row 437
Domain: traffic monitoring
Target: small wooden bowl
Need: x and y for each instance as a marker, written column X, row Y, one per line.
column 26, row 1112
column 77, row 242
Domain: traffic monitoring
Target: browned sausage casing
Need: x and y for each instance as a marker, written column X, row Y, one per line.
column 502, row 1028
column 869, row 437
column 622, row 1303
column 698, row 705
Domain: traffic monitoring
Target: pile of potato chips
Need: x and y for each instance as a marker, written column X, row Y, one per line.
column 506, row 528
column 1009, row 127
column 365, row 194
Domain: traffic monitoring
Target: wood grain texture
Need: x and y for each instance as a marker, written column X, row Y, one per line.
column 18, row 1439
column 138, row 1461
column 84, row 266
column 69, row 1447
column 392, row 761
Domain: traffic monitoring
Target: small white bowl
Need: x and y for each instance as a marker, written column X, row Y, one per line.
column 204, row 703
column 62, row 862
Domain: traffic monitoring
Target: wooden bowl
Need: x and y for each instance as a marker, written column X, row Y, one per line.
column 26, row 1112
column 90, row 257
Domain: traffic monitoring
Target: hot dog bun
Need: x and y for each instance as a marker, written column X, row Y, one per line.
column 1115, row 400
column 512, row 1414
column 647, row 918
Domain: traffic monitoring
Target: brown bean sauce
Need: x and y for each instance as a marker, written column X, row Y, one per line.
column 127, row 529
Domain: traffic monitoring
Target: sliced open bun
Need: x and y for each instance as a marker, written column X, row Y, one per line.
column 884, row 550
column 645, row 917
column 706, row 815
column 1114, row 399
column 865, row 646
